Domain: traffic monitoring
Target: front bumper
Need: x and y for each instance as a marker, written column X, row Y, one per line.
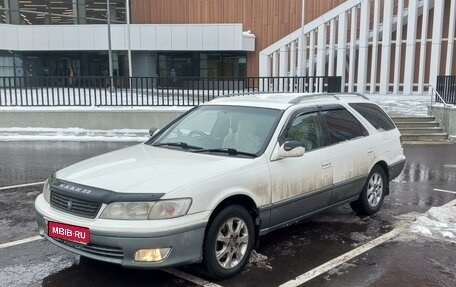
column 118, row 245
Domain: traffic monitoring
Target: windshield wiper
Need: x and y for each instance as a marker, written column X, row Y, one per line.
column 230, row 151
column 179, row 144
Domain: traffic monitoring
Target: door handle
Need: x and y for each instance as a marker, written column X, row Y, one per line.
column 325, row 165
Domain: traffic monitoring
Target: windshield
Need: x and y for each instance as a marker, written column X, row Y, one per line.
column 231, row 130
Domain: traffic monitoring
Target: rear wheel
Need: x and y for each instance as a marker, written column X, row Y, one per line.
column 228, row 243
column 374, row 191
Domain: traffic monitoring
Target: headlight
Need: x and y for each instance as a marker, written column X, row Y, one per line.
column 46, row 191
column 162, row 209
column 127, row 210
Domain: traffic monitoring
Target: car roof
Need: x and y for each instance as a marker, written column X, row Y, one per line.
column 282, row 101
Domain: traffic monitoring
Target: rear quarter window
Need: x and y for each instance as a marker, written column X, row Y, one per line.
column 342, row 125
column 374, row 115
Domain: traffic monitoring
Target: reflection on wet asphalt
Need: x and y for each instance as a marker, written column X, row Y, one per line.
column 282, row 255
column 23, row 162
column 416, row 263
column 17, row 215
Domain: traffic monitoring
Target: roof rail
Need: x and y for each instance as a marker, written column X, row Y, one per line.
column 299, row 99
column 252, row 93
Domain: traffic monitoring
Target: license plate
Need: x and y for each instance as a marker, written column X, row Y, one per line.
column 68, row 232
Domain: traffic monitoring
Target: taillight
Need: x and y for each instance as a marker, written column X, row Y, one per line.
column 400, row 138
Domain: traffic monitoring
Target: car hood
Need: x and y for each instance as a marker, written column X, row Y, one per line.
column 144, row 168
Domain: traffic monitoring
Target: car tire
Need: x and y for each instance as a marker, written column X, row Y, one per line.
column 228, row 242
column 371, row 198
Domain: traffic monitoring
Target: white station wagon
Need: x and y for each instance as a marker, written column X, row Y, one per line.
column 207, row 186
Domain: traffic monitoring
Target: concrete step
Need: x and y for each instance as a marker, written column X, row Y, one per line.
column 425, row 137
column 421, row 130
column 412, row 119
column 402, row 125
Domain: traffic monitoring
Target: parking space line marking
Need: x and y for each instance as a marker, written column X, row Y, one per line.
column 301, row 279
column 191, row 278
column 444, row 190
column 21, row 185
column 18, row 242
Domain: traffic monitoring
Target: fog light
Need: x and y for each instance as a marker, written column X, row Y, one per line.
column 152, row 255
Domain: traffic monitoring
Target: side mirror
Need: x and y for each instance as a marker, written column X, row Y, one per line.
column 153, row 131
column 291, row 149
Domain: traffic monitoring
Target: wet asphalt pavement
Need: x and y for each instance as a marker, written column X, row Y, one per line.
column 282, row 255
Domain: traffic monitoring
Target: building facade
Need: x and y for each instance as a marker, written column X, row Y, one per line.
column 355, row 39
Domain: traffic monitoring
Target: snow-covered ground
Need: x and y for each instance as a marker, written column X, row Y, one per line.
column 394, row 105
column 438, row 222
column 72, row 134
column 400, row 105
column 85, row 97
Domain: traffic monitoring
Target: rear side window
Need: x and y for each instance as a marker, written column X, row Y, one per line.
column 374, row 115
column 342, row 125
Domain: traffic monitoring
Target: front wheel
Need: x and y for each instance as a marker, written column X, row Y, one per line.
column 374, row 191
column 228, row 243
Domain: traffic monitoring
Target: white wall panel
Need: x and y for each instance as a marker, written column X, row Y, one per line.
column 135, row 37
column 40, row 38
column 119, row 37
column 179, row 37
column 214, row 37
column 86, row 37
column 195, row 37
column 26, row 37
column 236, row 41
column 225, row 36
column 100, row 36
column 71, row 38
column 148, row 38
column 163, row 37
column 210, row 37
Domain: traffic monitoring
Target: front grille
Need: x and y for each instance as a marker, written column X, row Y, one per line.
column 104, row 251
column 75, row 206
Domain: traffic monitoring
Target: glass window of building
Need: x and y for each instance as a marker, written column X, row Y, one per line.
column 6, row 64
column 62, row 12
column 34, row 12
column 96, row 11
column 196, row 64
column 3, row 12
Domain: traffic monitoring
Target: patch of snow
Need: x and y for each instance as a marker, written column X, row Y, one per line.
column 78, row 138
column 259, row 260
column 402, row 105
column 72, row 134
column 438, row 222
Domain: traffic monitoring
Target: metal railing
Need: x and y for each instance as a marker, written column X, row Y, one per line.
column 445, row 91
column 146, row 91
